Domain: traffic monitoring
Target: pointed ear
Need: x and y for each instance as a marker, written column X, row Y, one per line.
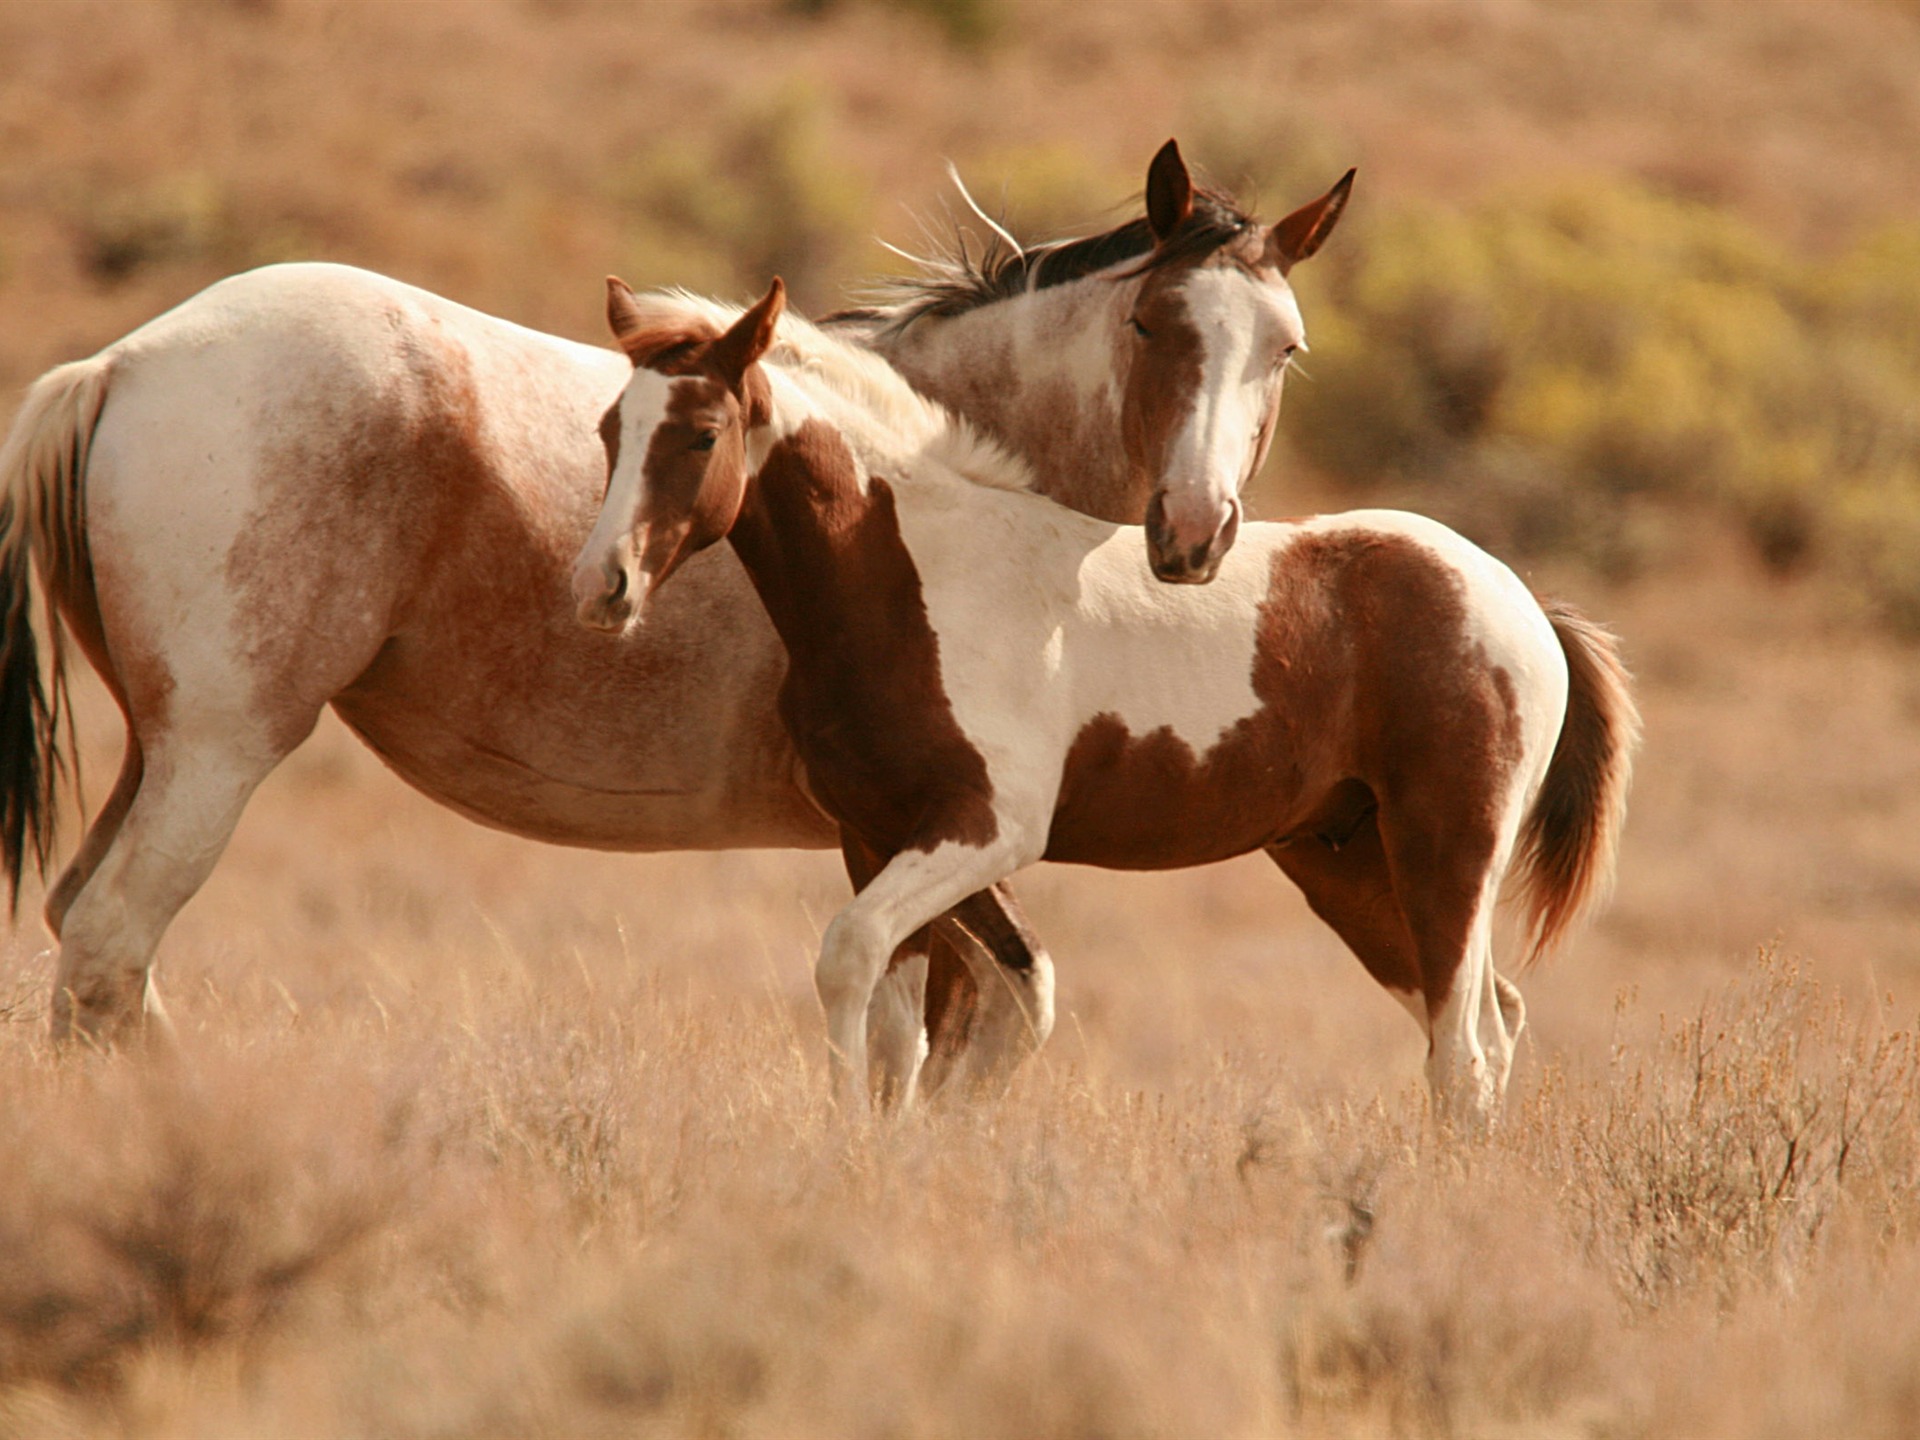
column 623, row 311
column 751, row 336
column 1304, row 231
column 1169, row 191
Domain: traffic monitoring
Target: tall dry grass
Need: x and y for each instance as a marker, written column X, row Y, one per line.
column 563, row 1205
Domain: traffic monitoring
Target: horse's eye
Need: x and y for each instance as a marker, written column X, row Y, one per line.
column 704, row 441
column 1138, row 328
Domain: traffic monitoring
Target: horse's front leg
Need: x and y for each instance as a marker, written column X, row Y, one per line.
column 910, row 890
column 896, row 1032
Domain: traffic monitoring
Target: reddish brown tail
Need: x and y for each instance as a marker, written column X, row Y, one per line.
column 1567, row 845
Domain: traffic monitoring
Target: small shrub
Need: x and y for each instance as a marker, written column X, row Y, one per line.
column 125, row 231
column 1613, row 344
column 1719, row 1159
column 175, row 1214
column 764, row 197
column 179, row 219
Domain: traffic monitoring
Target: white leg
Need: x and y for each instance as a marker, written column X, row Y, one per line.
column 1468, row 1083
column 1506, row 1017
column 897, row 1032
column 178, row 824
column 913, row 888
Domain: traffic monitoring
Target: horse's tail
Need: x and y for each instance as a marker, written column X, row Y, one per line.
column 1568, row 841
column 43, row 467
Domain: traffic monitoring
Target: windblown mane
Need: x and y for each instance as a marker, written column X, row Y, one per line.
column 953, row 281
column 885, row 418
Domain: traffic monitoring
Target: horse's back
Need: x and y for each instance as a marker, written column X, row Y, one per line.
column 1450, row 664
column 1406, row 582
column 1375, row 645
column 271, row 458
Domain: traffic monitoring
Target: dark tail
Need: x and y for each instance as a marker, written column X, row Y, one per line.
column 43, row 465
column 1567, row 844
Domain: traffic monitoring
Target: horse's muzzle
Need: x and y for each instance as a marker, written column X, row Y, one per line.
column 602, row 597
column 1189, row 554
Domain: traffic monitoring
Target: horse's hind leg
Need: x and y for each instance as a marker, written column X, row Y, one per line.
column 1509, row 1008
column 1404, row 930
column 1340, row 865
column 100, row 835
column 1474, row 1030
column 176, row 817
column 1448, row 883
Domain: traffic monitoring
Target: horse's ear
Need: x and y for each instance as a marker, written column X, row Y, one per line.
column 623, row 312
column 1169, row 191
column 1306, row 229
column 750, row 336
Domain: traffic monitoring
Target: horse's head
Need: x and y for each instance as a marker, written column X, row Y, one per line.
column 676, row 451
column 1210, row 329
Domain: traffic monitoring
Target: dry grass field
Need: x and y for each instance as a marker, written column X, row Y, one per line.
column 475, row 1137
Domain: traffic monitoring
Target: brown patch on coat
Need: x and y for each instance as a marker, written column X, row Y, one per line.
column 1350, row 886
column 1165, row 376
column 410, row 561
column 864, row 697
column 353, row 502
column 691, row 494
column 610, row 440
column 1374, row 770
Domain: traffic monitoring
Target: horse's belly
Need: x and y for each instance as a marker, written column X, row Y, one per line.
column 665, row 738
column 652, row 808
column 1148, row 802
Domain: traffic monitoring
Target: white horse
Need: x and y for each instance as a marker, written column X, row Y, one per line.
column 980, row 678
column 310, row 485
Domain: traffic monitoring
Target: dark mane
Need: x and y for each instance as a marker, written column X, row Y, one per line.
column 957, row 281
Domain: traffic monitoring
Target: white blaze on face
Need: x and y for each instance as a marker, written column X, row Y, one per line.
column 611, row 548
column 1246, row 324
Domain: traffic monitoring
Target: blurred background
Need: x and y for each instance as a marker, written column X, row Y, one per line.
column 1629, row 292
column 486, row 1138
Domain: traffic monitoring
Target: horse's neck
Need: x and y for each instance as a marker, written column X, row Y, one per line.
column 823, row 547
column 1037, row 373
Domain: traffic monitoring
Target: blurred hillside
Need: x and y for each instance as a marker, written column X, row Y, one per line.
column 486, row 1138
column 1715, row 205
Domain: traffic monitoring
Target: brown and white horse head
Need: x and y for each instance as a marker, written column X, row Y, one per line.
column 1213, row 328
column 676, row 449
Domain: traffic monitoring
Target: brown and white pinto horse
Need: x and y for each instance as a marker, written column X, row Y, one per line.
column 312, row 485
column 980, row 679
column 1149, row 358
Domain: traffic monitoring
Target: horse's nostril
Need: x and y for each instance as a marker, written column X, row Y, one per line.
column 618, row 592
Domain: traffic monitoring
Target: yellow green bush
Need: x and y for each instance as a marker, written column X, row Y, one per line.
column 1547, row 367
column 758, row 196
